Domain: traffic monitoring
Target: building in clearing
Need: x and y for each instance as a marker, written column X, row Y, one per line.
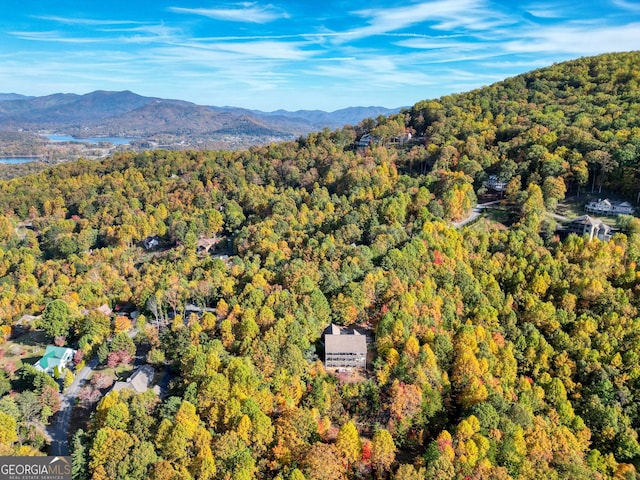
column 150, row 242
column 138, row 381
column 494, row 184
column 344, row 348
column 609, row 207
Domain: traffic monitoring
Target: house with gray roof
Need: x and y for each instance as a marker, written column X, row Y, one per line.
column 609, row 207
column 593, row 227
column 344, row 348
column 139, row 380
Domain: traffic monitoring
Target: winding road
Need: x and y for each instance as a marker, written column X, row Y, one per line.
column 59, row 429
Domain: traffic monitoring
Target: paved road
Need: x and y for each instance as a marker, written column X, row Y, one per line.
column 475, row 213
column 558, row 217
column 59, row 429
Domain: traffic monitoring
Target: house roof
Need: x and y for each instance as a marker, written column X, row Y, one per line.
column 52, row 356
column 105, row 310
column 609, row 203
column 587, row 220
column 334, row 329
column 345, row 343
column 205, row 244
column 138, row 381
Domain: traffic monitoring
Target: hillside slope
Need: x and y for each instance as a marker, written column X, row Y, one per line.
column 571, row 125
column 498, row 354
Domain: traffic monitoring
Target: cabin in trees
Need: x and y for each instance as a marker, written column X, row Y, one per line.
column 594, row 228
column 367, row 140
column 150, row 242
column 55, row 358
column 609, row 207
column 344, row 348
column 493, row 183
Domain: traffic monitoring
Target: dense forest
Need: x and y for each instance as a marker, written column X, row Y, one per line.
column 501, row 354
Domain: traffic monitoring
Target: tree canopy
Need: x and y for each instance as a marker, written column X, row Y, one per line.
column 506, row 353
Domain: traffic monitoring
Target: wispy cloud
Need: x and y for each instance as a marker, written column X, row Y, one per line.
column 246, row 12
column 134, row 34
column 545, row 12
column 86, row 21
column 579, row 40
column 626, row 5
column 57, row 37
column 433, row 43
column 389, row 53
column 439, row 14
column 267, row 49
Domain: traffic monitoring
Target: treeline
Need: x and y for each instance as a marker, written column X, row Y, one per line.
column 500, row 355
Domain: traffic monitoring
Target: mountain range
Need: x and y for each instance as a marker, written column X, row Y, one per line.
column 127, row 114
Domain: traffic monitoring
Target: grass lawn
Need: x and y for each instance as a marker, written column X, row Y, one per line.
column 573, row 207
column 119, row 373
column 493, row 219
column 27, row 348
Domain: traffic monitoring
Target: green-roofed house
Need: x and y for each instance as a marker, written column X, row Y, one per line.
column 55, row 357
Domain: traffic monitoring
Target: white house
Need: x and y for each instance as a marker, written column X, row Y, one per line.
column 53, row 357
column 585, row 225
column 609, row 207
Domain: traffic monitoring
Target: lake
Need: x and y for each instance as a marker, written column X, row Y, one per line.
column 93, row 140
column 14, row 160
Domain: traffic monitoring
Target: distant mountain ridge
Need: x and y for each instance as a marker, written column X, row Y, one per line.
column 106, row 113
column 12, row 96
column 320, row 118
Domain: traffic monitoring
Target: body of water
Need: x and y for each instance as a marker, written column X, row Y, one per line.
column 92, row 140
column 14, row 160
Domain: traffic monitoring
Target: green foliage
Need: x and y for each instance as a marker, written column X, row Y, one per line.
column 122, row 342
column 55, row 319
column 5, row 383
column 79, row 456
column 495, row 354
column 155, row 356
column 68, row 378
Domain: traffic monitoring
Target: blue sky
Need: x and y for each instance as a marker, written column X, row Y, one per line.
column 325, row 54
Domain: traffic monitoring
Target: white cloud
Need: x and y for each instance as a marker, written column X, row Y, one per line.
column 87, row 21
column 441, row 14
column 265, row 49
column 578, row 40
column 55, row 36
column 626, row 5
column 436, row 43
column 546, row 12
column 246, row 13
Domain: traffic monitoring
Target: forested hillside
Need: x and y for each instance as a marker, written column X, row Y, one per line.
column 573, row 125
column 507, row 354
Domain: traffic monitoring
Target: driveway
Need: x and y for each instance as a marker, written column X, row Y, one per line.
column 475, row 213
column 59, row 429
